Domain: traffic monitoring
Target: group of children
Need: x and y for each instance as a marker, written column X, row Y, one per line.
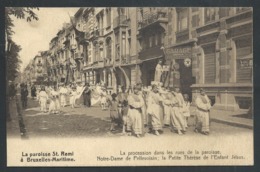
column 57, row 97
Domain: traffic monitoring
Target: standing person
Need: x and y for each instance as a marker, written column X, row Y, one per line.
column 87, row 95
column 73, row 95
column 63, row 93
column 55, row 94
column 158, row 71
column 103, row 100
column 43, row 97
column 177, row 118
column 114, row 113
column 135, row 102
column 186, row 109
column 154, row 110
column 167, row 107
column 202, row 116
column 33, row 91
column 24, row 94
column 123, row 107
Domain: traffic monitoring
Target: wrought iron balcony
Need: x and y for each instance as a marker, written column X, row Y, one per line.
column 94, row 34
column 78, row 56
column 153, row 52
column 120, row 21
column 126, row 59
column 159, row 17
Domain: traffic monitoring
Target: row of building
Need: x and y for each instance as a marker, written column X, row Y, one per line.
column 208, row 48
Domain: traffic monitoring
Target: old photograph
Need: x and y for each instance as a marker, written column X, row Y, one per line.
column 129, row 86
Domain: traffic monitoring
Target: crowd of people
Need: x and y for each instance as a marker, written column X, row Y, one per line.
column 135, row 110
column 155, row 108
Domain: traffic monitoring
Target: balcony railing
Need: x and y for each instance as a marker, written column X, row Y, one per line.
column 151, row 53
column 153, row 18
column 120, row 21
column 126, row 59
column 78, row 56
column 94, row 34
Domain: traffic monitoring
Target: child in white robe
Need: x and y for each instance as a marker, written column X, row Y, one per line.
column 186, row 109
column 43, row 97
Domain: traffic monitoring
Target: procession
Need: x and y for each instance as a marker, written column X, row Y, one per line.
column 133, row 111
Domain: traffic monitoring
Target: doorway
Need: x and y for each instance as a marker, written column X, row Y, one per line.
column 186, row 78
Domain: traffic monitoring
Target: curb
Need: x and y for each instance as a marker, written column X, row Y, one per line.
column 232, row 123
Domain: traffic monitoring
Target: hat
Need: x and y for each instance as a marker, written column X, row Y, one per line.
column 114, row 95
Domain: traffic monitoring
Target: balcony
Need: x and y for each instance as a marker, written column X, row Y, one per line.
column 78, row 56
column 156, row 18
column 120, row 21
column 94, row 34
column 83, row 38
column 126, row 59
column 151, row 53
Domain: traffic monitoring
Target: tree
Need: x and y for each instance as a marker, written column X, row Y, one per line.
column 20, row 13
column 12, row 49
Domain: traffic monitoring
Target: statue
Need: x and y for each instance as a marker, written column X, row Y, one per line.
column 158, row 71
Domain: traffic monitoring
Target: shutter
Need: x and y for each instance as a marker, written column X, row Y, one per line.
column 210, row 63
column 210, row 68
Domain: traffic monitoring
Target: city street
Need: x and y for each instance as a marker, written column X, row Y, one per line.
column 92, row 122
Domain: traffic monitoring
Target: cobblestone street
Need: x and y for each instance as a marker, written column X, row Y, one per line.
column 89, row 122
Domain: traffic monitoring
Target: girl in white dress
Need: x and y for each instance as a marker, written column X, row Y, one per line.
column 186, row 109
column 103, row 100
column 63, row 93
column 43, row 97
column 73, row 95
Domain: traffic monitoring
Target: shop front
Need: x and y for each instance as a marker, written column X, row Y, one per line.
column 179, row 63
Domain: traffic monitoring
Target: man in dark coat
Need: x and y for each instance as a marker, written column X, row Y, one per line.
column 33, row 91
column 24, row 94
column 87, row 95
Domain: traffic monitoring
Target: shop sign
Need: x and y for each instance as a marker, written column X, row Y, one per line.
column 178, row 52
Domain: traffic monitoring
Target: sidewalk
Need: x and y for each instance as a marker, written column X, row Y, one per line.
column 236, row 118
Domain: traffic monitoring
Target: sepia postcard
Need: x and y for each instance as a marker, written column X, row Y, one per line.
column 129, row 86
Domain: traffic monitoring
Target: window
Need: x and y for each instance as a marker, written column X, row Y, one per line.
column 241, row 9
column 108, row 17
column 96, row 52
column 210, row 14
column 108, row 48
column 194, row 9
column 195, row 20
column 182, row 19
column 156, row 39
column 223, row 12
column 210, row 63
column 150, row 41
column 162, row 38
column 244, row 59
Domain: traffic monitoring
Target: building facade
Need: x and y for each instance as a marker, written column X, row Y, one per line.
column 218, row 44
column 36, row 71
column 208, row 48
